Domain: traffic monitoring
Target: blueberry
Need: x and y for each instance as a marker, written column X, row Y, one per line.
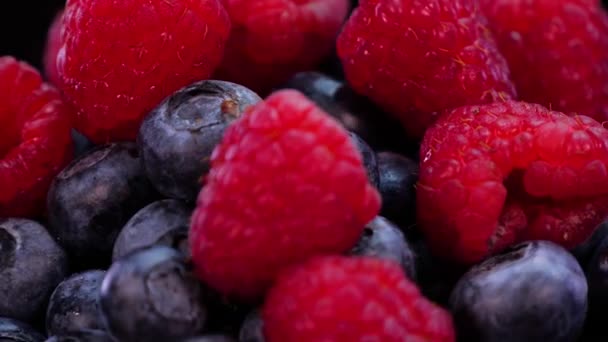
column 151, row 295
column 164, row 222
column 369, row 158
column 74, row 305
column 92, row 199
column 253, row 328
column 176, row 139
column 584, row 251
column 397, row 180
column 382, row 239
column 15, row 331
column 535, row 291
column 356, row 113
column 83, row 336
column 31, row 265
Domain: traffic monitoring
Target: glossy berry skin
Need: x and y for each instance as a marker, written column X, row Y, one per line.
column 74, row 304
column 35, row 142
column 536, row 291
column 164, row 222
column 355, row 112
column 15, row 331
column 397, row 185
column 284, row 154
column 252, row 329
column 498, row 174
column 119, row 60
column 416, row 59
column 273, row 39
column 31, row 265
column 151, row 295
column 383, row 239
column 51, row 49
column 557, row 52
column 351, row 299
column 93, row 198
column 176, row 140
column 369, row 158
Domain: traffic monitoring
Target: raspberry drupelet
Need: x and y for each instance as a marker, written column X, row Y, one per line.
column 120, row 59
column 35, row 141
column 416, row 59
column 493, row 175
column 286, row 183
column 273, row 39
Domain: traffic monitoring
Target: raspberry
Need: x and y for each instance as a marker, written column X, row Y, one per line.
column 418, row 58
column 35, row 138
column 53, row 44
column 493, row 175
column 351, row 299
column 299, row 188
column 557, row 51
column 120, row 59
column 273, row 39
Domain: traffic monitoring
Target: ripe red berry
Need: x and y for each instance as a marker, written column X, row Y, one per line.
column 286, row 183
column 53, row 44
column 351, row 299
column 120, row 59
column 497, row 174
column 35, row 140
column 273, row 39
column 557, row 51
column 419, row 58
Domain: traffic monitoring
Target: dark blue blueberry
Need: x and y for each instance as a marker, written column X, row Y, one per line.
column 382, row 239
column 83, row 336
column 92, row 199
column 15, row 331
column 534, row 291
column 31, row 266
column 397, row 180
column 585, row 251
column 151, row 295
column 82, row 145
column 164, row 222
column 369, row 158
column 177, row 138
column 356, row 113
column 74, row 305
column 252, row 329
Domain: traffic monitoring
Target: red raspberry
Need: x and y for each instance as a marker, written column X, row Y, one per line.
column 119, row 59
column 351, row 299
column 418, row 58
column 285, row 184
column 497, row 174
column 35, row 141
column 273, row 39
column 53, row 44
column 557, row 51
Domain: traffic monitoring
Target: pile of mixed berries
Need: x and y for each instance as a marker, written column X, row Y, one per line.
column 308, row 171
